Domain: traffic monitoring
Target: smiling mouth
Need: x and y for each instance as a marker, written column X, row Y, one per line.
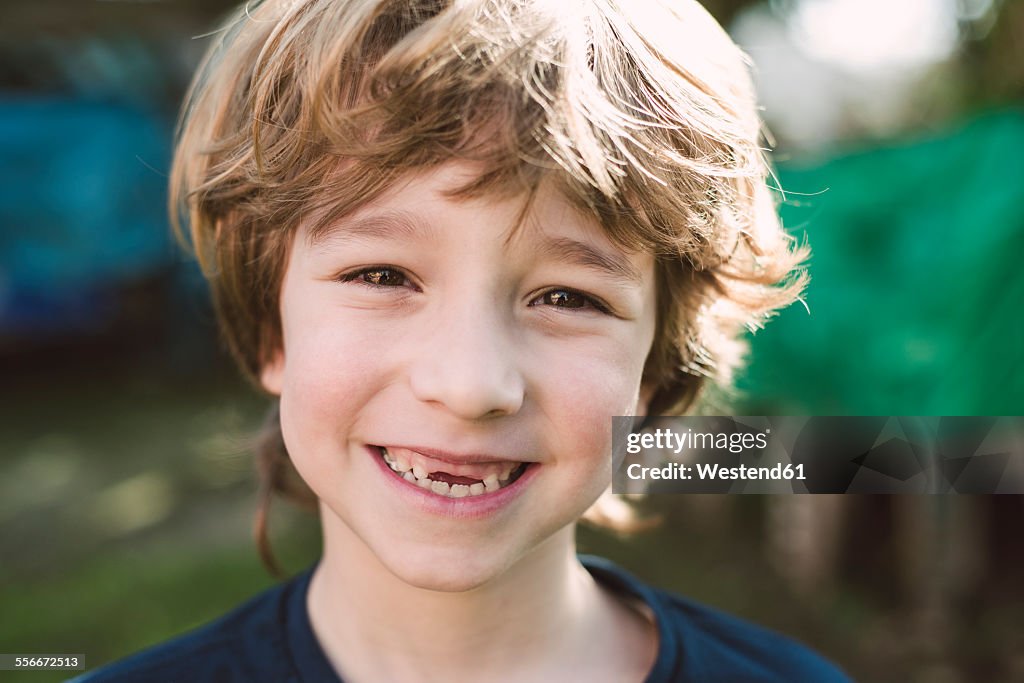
column 432, row 476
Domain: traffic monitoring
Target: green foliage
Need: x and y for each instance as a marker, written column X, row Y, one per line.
column 117, row 603
column 916, row 285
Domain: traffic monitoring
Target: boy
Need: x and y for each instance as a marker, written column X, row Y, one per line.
column 453, row 239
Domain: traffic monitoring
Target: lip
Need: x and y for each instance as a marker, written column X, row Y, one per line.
column 455, row 458
column 470, row 507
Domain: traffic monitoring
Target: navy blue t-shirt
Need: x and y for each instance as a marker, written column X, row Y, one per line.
column 269, row 640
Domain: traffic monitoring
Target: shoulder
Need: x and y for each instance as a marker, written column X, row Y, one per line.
column 723, row 647
column 246, row 644
column 701, row 643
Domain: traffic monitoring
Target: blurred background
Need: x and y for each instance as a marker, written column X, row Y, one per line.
column 126, row 487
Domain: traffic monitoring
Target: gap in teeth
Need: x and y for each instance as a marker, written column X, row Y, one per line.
column 415, row 474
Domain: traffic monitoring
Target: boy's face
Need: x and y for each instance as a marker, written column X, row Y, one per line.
column 436, row 332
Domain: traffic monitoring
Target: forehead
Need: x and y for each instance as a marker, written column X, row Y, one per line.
column 421, row 205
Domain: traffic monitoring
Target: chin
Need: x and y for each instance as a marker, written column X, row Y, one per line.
column 444, row 571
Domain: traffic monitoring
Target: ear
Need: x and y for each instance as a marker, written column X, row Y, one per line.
column 272, row 373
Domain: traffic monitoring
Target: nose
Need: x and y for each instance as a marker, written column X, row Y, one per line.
column 468, row 365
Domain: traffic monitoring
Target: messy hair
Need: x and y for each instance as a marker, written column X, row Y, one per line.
column 640, row 112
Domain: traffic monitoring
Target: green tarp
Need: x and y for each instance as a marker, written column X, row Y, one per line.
column 917, row 291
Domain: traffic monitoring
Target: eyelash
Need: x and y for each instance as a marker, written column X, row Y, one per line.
column 588, row 301
column 356, row 276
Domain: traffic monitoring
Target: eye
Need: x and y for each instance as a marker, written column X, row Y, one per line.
column 377, row 276
column 568, row 298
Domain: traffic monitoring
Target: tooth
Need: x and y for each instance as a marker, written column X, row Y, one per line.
column 506, row 473
column 409, row 476
column 419, row 472
column 460, row 490
column 476, row 489
column 491, row 482
column 440, row 487
column 423, row 483
column 403, row 463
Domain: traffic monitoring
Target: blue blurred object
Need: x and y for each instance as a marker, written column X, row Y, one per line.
column 82, row 197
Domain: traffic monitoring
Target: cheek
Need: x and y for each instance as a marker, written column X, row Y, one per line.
column 579, row 399
column 331, row 371
column 322, row 369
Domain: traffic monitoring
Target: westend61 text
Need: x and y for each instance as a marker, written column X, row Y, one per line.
column 707, row 472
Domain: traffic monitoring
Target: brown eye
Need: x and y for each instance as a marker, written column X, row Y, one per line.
column 382, row 277
column 565, row 298
column 570, row 300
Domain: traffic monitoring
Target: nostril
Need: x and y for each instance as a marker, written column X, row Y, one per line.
column 467, row 393
column 469, row 362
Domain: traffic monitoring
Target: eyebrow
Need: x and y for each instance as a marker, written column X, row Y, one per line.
column 390, row 225
column 402, row 225
column 587, row 256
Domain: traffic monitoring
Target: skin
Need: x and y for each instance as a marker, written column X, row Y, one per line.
column 459, row 331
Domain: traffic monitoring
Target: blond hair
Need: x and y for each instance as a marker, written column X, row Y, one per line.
column 641, row 112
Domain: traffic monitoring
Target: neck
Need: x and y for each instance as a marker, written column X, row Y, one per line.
column 374, row 626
